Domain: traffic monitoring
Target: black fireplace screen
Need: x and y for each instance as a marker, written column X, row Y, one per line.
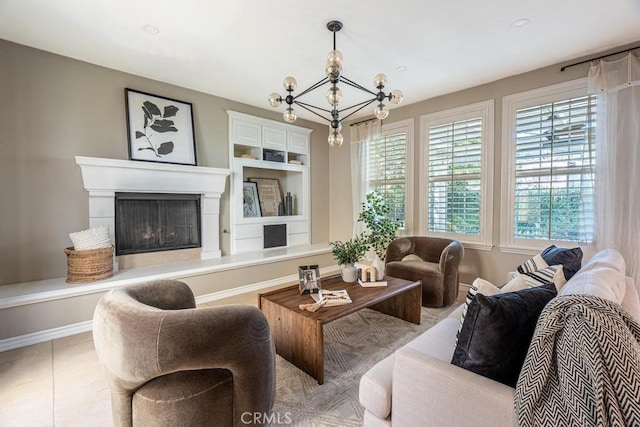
column 156, row 222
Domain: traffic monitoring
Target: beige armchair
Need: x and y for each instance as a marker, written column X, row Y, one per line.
column 168, row 363
column 432, row 260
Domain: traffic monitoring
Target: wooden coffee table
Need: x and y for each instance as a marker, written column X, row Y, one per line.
column 298, row 333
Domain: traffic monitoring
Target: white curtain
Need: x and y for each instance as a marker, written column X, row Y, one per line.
column 617, row 195
column 360, row 136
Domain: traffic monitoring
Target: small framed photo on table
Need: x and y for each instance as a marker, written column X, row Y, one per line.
column 309, row 276
column 159, row 129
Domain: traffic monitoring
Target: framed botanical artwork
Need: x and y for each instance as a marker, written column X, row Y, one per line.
column 270, row 195
column 159, row 129
column 250, row 201
column 309, row 276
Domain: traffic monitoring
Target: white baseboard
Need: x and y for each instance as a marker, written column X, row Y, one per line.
column 77, row 328
column 44, row 336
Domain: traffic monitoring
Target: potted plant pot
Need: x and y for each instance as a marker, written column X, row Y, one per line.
column 349, row 273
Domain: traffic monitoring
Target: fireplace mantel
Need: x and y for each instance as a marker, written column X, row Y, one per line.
column 103, row 178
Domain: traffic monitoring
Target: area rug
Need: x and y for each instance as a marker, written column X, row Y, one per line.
column 353, row 344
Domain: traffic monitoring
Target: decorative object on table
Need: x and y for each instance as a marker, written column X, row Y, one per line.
column 288, row 204
column 309, row 279
column 347, row 253
column 369, row 277
column 159, row 129
column 331, row 298
column 91, row 256
column 269, row 195
column 381, row 230
column 250, row 201
column 333, row 71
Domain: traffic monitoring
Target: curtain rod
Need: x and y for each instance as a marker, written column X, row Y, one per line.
column 599, row 57
column 363, row 121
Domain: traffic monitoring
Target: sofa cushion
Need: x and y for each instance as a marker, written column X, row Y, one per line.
column 532, row 264
column 497, row 331
column 606, row 258
column 570, row 259
column 376, row 384
column 552, row 273
column 630, row 302
column 600, row 280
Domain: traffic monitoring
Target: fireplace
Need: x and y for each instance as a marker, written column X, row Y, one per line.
column 104, row 178
column 156, row 222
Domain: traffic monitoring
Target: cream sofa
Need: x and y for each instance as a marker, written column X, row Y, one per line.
column 418, row 386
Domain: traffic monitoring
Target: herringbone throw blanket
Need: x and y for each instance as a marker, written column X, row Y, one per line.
column 582, row 367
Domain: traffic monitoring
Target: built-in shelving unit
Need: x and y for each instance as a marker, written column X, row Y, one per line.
column 262, row 148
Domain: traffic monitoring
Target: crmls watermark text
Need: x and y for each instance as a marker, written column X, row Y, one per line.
column 274, row 418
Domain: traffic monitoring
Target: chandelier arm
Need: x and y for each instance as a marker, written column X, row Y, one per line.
column 313, row 87
column 356, row 85
column 353, row 112
column 303, row 105
column 363, row 103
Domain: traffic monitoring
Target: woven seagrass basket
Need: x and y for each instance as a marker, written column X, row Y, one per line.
column 89, row 265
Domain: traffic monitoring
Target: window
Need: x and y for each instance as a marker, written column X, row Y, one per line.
column 388, row 170
column 457, row 174
column 549, row 159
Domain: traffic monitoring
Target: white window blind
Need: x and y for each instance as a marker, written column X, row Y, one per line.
column 387, row 171
column 554, row 176
column 455, row 173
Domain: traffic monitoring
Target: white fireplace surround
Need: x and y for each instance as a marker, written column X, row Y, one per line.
column 103, row 178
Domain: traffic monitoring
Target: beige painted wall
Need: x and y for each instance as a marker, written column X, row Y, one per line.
column 491, row 265
column 53, row 108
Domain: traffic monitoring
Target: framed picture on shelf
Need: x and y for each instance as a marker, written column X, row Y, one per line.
column 309, row 276
column 269, row 195
column 159, row 129
column 250, row 202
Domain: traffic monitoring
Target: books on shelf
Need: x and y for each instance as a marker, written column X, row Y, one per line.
column 375, row 284
column 332, row 297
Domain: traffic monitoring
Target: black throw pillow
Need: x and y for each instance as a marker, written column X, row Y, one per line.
column 570, row 259
column 497, row 331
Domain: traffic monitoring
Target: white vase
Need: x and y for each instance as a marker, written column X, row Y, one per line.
column 349, row 273
column 379, row 266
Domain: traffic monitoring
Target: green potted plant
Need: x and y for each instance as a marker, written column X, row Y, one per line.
column 382, row 230
column 347, row 253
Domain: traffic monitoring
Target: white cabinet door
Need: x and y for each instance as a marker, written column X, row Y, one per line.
column 274, row 138
column 245, row 132
column 297, row 143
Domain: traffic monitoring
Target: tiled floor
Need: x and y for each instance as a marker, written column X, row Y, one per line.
column 60, row 383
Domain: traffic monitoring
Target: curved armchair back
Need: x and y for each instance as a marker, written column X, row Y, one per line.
column 150, row 330
column 439, row 273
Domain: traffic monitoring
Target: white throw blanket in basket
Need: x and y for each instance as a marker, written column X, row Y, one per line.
column 94, row 238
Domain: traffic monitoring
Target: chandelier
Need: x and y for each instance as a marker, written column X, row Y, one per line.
column 333, row 71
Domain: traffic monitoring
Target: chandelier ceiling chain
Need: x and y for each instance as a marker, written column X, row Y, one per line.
column 333, row 71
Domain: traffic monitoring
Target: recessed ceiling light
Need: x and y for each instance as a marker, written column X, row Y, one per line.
column 402, row 68
column 151, row 29
column 520, row 23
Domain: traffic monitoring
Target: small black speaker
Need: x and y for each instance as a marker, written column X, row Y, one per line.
column 275, row 235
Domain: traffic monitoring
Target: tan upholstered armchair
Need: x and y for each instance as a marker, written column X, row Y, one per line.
column 432, row 260
column 168, row 363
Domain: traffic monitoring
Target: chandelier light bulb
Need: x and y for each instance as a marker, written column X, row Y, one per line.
column 335, row 139
column 396, row 96
column 334, row 96
column 290, row 84
column 380, row 81
column 289, row 115
column 381, row 112
column 335, row 58
column 275, row 100
column 333, row 71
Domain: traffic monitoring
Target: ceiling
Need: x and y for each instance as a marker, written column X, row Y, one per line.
column 243, row 49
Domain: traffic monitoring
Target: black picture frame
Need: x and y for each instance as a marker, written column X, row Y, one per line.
column 250, row 200
column 309, row 277
column 159, row 129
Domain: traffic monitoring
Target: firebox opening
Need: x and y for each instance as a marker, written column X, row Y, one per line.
column 151, row 222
